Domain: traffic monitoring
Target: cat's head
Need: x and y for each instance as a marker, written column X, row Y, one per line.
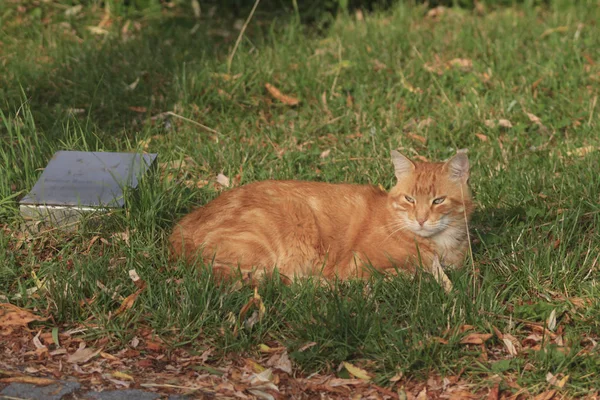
column 429, row 197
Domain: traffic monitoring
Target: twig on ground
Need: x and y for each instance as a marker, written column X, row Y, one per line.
column 239, row 39
column 191, row 121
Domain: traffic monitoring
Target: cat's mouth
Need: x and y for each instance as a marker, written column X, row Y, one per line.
column 425, row 230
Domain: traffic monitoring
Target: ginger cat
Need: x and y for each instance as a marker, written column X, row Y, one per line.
column 313, row 228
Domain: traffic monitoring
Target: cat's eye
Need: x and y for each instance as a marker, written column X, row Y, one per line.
column 439, row 200
column 409, row 199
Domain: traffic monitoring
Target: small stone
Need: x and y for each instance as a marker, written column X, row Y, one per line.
column 129, row 394
column 51, row 392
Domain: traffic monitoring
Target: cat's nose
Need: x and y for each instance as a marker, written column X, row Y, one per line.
column 421, row 221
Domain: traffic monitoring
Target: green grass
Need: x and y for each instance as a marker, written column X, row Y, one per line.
column 535, row 231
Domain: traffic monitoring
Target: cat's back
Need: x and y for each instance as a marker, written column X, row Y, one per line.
column 272, row 195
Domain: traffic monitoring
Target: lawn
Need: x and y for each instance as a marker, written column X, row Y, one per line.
column 516, row 85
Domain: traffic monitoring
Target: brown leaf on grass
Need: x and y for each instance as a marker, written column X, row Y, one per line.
column 440, row 276
column 136, row 279
column 503, row 123
column 533, row 340
column 551, row 321
column 378, row 65
column 12, row 316
column 557, row 380
column 550, row 31
column 144, row 144
column 223, row 180
column 307, row 346
column 494, row 393
column 464, row 64
column 122, row 375
column 436, row 12
column 285, row 99
column 153, row 345
column 349, row 100
column 357, row 372
column 137, row 109
column 418, row 138
column 510, row 347
column 28, row 379
column 581, row 151
column 580, row 302
column 464, row 328
column 83, row 355
column 280, row 361
column 256, row 302
column 439, row 340
column 128, row 302
column 481, row 137
column 109, row 357
column 547, row 395
column 536, row 120
column 424, row 123
column 37, row 343
column 476, row 338
column 225, row 77
column 325, row 153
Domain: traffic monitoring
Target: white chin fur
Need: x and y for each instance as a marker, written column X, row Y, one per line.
column 424, row 231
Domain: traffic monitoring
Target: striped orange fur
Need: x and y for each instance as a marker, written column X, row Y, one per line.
column 312, row 228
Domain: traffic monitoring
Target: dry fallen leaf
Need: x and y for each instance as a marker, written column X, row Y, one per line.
column 476, row 338
column 440, row 276
column 482, row 137
column 128, row 302
column 581, row 151
column 536, row 120
column 504, row 123
column 281, row 361
column 12, row 316
column 153, row 346
column 225, row 77
column 462, row 63
column 551, row 322
column 555, row 380
column 325, row 153
column 436, row 12
column 261, row 395
column 223, row 180
column 140, row 110
column 357, row 372
column 494, row 393
column 109, row 357
column 510, row 347
column 550, row 31
column 82, row 355
column 416, row 137
column 122, row 375
column 285, row 99
column 307, row 346
column 378, row 65
column 28, row 379
column 547, row 395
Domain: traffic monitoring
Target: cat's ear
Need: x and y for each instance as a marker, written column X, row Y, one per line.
column 458, row 166
column 402, row 165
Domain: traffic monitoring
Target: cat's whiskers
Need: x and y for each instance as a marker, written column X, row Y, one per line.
column 397, row 228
